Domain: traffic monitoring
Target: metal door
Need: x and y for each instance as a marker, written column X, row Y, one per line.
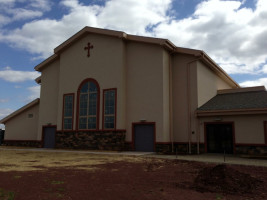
column 49, row 137
column 144, row 137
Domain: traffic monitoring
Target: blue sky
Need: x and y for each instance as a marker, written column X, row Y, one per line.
column 232, row 32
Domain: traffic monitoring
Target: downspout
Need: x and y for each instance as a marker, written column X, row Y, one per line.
column 170, row 102
column 189, row 100
column 198, row 133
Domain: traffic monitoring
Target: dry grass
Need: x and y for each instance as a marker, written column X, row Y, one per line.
column 22, row 160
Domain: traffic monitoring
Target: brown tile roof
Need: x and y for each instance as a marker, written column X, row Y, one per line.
column 236, row 101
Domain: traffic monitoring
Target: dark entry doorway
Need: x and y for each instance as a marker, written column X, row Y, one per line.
column 49, row 136
column 144, row 136
column 219, row 138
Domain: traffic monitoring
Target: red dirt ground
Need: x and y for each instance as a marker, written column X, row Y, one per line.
column 152, row 179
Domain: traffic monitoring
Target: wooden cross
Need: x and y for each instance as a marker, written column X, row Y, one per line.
column 88, row 47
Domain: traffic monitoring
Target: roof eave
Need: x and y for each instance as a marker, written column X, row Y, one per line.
column 149, row 40
column 206, row 113
column 19, row 111
column 82, row 32
column 47, row 61
column 38, row 80
column 218, row 70
column 182, row 50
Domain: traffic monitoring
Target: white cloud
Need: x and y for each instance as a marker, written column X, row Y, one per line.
column 21, row 14
column 18, row 76
column 44, row 5
column 259, row 82
column 18, row 10
column 34, row 92
column 234, row 37
column 133, row 16
column 4, row 20
column 264, row 69
column 6, row 2
column 226, row 32
column 42, row 36
column 5, row 112
column 3, row 100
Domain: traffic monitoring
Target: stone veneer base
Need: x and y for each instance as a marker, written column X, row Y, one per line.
column 93, row 140
column 179, row 148
column 22, row 143
column 251, row 150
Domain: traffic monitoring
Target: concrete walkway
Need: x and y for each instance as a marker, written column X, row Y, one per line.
column 208, row 158
column 217, row 158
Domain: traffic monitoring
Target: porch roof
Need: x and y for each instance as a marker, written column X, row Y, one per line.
column 235, row 103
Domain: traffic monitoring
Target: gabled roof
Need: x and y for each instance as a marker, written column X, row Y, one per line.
column 19, row 111
column 165, row 43
column 118, row 34
column 249, row 100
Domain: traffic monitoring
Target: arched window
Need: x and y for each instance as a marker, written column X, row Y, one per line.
column 88, row 107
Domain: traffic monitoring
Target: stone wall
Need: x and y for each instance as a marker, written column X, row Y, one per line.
column 251, row 150
column 179, row 148
column 93, row 140
column 22, row 143
column 128, row 146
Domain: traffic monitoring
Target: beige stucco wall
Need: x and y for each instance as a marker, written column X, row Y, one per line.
column 49, row 97
column 180, row 100
column 166, row 97
column 139, row 71
column 248, row 129
column 147, row 87
column 190, row 94
column 106, row 65
column 208, row 83
column 21, row 127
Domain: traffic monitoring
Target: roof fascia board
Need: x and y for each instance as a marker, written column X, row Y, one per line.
column 193, row 52
column 38, row 80
column 240, row 90
column 85, row 30
column 46, row 62
column 162, row 42
column 201, row 113
column 19, row 111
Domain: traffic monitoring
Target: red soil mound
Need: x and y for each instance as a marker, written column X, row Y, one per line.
column 224, row 179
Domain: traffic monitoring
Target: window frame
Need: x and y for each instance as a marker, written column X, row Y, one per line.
column 115, row 109
column 97, row 106
column 63, row 111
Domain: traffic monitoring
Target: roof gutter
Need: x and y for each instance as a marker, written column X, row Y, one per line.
column 207, row 113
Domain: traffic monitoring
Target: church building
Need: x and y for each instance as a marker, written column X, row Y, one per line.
column 108, row 90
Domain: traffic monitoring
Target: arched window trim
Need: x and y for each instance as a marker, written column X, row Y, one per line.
column 78, row 102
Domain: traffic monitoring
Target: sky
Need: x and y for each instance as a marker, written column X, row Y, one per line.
column 232, row 32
